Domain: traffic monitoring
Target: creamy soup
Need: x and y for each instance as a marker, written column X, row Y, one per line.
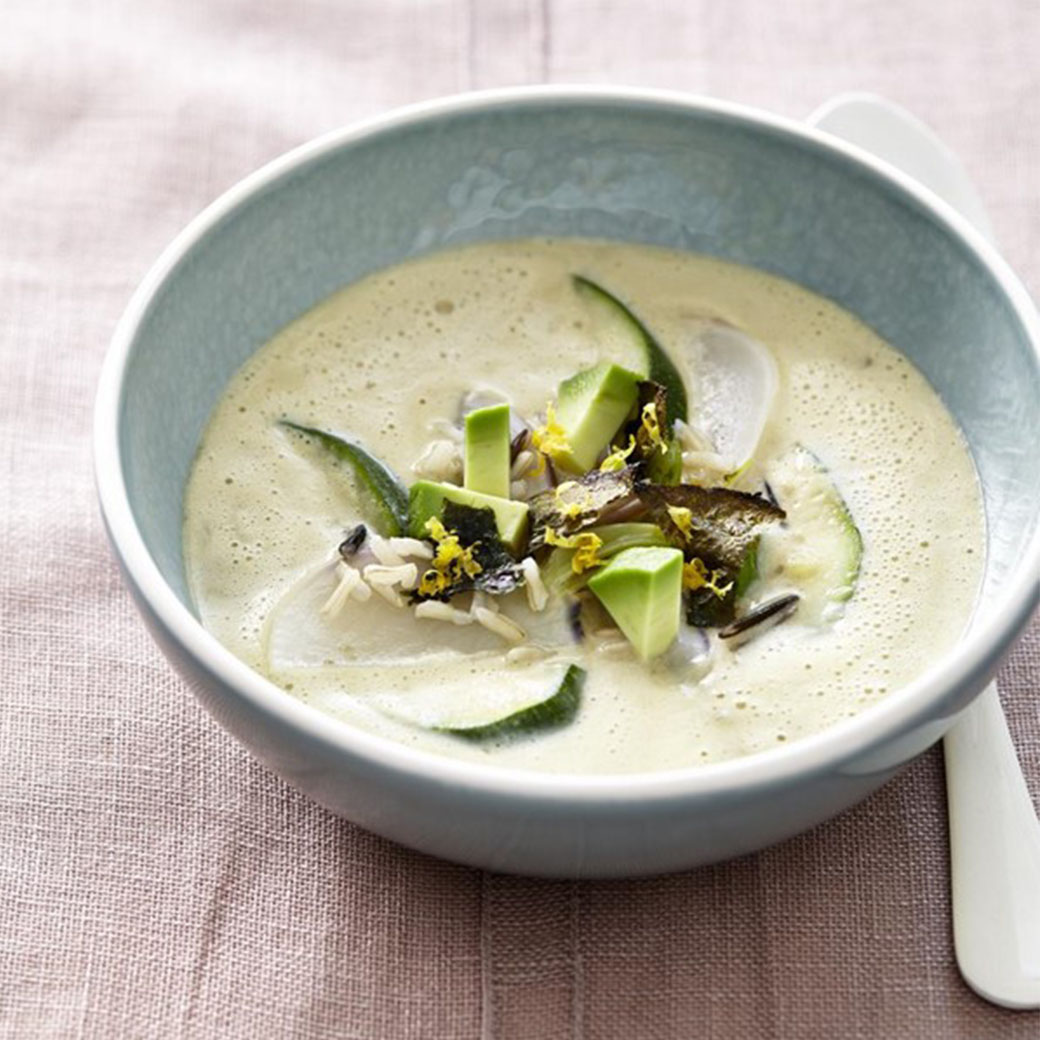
column 835, row 415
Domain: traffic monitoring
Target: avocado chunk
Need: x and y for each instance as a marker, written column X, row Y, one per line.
column 487, row 451
column 591, row 406
column 641, row 589
column 426, row 499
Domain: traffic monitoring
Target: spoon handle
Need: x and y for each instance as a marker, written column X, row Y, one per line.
column 995, row 858
column 994, row 831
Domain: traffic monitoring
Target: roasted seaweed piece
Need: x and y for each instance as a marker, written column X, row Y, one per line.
column 470, row 557
column 579, row 503
column 718, row 527
column 656, row 453
column 706, row 609
column 477, row 529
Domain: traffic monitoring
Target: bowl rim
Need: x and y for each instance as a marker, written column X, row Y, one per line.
column 970, row 664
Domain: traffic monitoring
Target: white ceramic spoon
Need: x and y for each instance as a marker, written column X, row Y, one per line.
column 994, row 831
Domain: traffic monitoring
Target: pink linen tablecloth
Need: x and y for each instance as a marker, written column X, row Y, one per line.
column 154, row 880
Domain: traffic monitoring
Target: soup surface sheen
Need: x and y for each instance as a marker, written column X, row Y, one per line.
column 387, row 358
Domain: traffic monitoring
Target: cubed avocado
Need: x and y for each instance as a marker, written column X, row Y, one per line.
column 426, row 499
column 590, row 407
column 487, row 451
column 641, row 589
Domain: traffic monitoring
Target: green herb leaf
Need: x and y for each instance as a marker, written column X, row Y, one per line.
column 557, row 710
column 748, row 570
column 659, row 366
column 388, row 494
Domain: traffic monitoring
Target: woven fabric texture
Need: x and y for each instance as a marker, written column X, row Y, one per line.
column 155, row 882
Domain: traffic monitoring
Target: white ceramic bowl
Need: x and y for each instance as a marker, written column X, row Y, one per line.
column 634, row 165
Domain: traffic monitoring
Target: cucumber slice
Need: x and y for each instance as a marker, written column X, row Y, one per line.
column 388, row 496
column 487, row 711
column 819, row 550
column 657, row 365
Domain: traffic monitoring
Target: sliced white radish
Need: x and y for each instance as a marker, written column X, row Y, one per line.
column 735, row 379
column 300, row 634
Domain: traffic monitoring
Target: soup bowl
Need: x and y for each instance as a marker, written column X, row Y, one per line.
column 629, row 165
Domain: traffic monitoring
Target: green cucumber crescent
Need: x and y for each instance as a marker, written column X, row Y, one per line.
column 558, row 709
column 658, row 366
column 389, row 496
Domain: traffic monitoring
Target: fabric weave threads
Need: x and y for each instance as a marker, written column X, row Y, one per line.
column 154, row 881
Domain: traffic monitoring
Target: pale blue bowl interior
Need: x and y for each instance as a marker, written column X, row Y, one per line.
column 645, row 172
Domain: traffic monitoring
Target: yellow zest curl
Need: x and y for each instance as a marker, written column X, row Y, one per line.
column 586, row 548
column 550, row 440
column 696, row 576
column 568, row 510
column 616, row 459
column 451, row 562
column 573, row 510
column 683, row 519
column 652, row 428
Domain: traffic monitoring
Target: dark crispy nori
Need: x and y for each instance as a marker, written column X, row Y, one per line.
column 705, row 609
column 723, row 535
column 476, row 529
column 652, row 464
column 592, row 492
column 723, row 522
